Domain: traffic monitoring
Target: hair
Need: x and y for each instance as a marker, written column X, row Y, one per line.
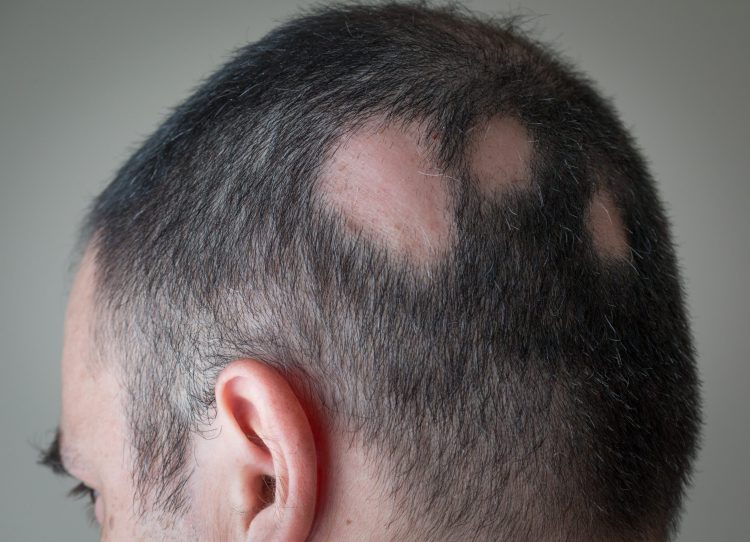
column 523, row 386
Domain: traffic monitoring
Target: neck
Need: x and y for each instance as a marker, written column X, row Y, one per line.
column 352, row 504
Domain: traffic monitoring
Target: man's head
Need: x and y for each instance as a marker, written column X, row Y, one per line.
column 393, row 272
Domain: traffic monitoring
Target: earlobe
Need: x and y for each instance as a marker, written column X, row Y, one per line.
column 273, row 453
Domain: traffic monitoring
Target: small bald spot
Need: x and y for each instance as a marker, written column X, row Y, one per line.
column 384, row 184
column 605, row 224
column 499, row 154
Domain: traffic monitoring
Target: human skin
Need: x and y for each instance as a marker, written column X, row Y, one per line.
column 325, row 485
column 261, row 429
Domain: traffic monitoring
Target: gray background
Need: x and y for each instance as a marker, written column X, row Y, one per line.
column 81, row 82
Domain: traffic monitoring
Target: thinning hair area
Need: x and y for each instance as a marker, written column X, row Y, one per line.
column 440, row 232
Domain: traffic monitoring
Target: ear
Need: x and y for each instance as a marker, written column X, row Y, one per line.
column 270, row 464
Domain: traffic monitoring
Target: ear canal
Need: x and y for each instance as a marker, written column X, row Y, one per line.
column 268, row 491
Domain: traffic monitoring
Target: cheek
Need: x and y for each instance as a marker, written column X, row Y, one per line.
column 99, row 512
column 115, row 513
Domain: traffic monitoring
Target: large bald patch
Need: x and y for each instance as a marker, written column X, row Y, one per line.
column 382, row 181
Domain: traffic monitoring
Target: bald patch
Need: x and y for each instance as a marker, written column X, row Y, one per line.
column 382, row 181
column 499, row 155
column 605, row 224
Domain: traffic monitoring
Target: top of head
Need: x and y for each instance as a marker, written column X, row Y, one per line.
column 448, row 232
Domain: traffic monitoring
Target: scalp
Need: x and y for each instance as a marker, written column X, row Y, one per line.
column 605, row 224
column 499, row 155
column 383, row 182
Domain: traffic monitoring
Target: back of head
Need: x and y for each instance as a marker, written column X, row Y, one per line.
column 508, row 339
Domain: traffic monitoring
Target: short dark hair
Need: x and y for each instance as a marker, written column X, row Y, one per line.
column 526, row 387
